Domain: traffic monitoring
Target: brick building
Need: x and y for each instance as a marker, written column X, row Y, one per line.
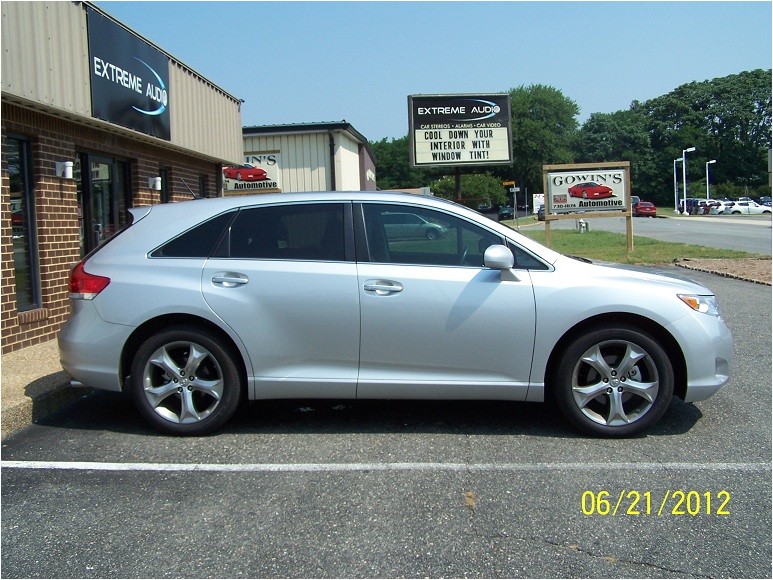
column 95, row 119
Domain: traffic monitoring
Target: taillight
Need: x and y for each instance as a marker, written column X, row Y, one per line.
column 85, row 286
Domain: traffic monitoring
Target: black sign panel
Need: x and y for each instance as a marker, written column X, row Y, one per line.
column 460, row 129
column 129, row 79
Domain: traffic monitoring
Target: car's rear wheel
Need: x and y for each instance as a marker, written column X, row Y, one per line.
column 613, row 382
column 184, row 382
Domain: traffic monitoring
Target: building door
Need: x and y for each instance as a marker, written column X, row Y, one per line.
column 103, row 197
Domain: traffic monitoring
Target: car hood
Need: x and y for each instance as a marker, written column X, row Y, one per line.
column 623, row 273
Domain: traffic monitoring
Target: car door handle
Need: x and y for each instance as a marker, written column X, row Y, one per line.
column 383, row 287
column 229, row 279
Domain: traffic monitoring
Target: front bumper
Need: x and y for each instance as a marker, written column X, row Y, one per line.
column 707, row 346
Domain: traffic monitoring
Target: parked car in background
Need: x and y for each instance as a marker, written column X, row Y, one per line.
column 644, row 209
column 409, row 226
column 692, row 205
column 749, row 208
column 765, row 200
column 590, row 190
column 197, row 305
column 541, row 213
column 245, row 172
column 722, row 207
column 506, row 213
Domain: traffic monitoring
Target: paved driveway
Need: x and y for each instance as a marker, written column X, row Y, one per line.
column 747, row 234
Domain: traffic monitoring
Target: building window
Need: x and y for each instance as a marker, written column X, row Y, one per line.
column 164, row 173
column 203, row 186
column 25, row 252
column 103, row 197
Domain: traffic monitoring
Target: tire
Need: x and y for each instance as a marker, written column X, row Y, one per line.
column 736, row 213
column 629, row 373
column 238, row 176
column 432, row 234
column 184, row 382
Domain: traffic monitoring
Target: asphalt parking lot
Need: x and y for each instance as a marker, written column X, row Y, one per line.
column 390, row 489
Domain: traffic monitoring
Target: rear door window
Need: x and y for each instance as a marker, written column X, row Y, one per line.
column 288, row 232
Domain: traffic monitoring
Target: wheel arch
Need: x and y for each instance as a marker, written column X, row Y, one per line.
column 150, row 327
column 667, row 341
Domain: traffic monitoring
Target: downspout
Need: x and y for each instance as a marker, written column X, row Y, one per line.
column 331, row 140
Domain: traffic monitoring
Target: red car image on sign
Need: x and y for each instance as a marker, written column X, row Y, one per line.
column 590, row 190
column 244, row 172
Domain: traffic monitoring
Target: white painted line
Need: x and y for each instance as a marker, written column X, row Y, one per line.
column 344, row 467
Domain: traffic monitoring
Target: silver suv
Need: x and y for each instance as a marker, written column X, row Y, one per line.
column 198, row 305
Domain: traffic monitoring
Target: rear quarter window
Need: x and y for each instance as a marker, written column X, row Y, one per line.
column 198, row 242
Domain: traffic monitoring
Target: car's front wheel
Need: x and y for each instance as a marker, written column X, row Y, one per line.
column 184, row 382
column 613, row 382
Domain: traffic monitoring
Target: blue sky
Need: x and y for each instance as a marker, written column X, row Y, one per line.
column 302, row 62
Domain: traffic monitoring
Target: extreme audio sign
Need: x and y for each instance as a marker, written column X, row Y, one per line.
column 460, row 130
column 129, row 79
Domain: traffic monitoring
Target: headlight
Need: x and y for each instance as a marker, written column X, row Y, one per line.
column 699, row 303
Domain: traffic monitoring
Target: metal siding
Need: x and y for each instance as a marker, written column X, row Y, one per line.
column 45, row 54
column 347, row 163
column 45, row 60
column 204, row 118
column 304, row 159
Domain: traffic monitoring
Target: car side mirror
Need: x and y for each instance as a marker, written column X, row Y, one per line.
column 498, row 257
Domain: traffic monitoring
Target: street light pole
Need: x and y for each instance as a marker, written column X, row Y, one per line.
column 684, row 175
column 676, row 187
column 708, row 190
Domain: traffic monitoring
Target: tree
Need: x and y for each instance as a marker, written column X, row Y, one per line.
column 727, row 119
column 619, row 136
column 476, row 189
column 544, row 121
column 393, row 166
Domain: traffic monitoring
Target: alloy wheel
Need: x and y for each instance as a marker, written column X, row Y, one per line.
column 183, row 382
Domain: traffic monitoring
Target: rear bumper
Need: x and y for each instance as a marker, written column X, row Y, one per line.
column 90, row 348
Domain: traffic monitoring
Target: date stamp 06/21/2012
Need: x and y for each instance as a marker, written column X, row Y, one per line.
column 678, row 502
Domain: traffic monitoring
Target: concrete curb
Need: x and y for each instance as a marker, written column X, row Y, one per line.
column 723, row 274
column 46, row 396
column 34, row 386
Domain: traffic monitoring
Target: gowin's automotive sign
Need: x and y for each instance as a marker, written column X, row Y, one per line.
column 129, row 79
column 460, row 130
column 597, row 189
